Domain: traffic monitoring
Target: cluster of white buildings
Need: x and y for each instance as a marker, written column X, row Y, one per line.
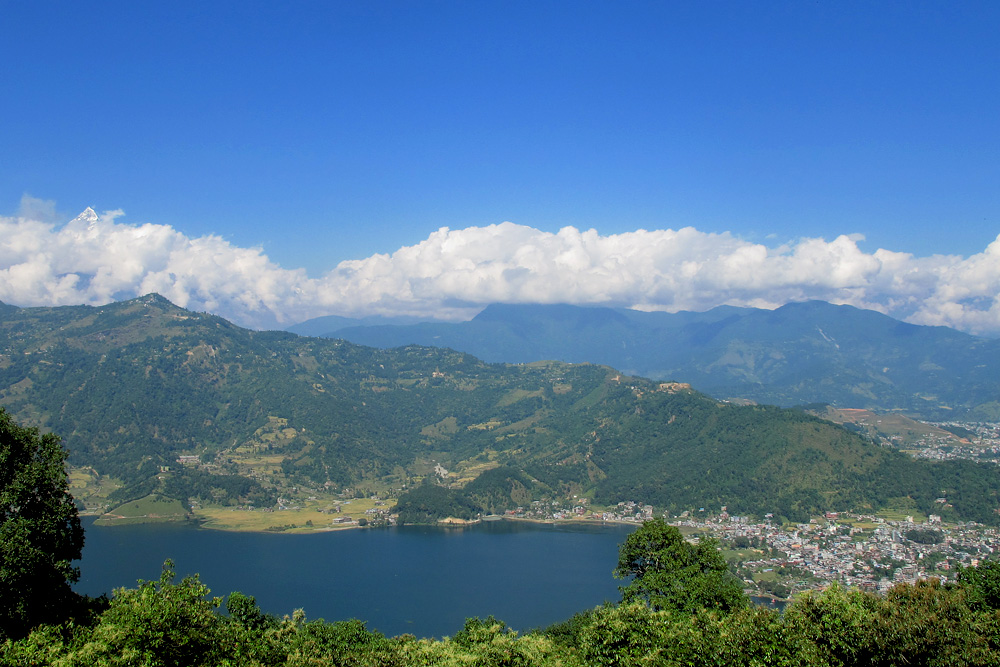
column 863, row 551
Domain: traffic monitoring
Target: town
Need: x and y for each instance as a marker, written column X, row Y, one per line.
column 977, row 442
column 865, row 551
column 860, row 550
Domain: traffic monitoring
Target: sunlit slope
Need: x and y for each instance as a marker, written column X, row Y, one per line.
column 133, row 385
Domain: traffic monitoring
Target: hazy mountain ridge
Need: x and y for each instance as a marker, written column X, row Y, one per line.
column 800, row 353
column 132, row 385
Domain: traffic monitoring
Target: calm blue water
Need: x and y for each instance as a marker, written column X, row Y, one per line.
column 414, row 579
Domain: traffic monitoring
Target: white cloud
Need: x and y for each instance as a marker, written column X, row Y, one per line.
column 93, row 259
column 453, row 273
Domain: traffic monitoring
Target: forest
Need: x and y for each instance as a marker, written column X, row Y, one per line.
column 132, row 386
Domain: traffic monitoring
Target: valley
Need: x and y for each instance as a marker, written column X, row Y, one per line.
column 179, row 417
column 158, row 403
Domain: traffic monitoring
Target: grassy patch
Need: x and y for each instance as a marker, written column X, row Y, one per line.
column 770, row 575
column 901, row 430
column 593, row 398
column 519, row 426
column 313, row 516
column 151, row 509
column 516, row 395
column 469, row 470
column 742, row 554
column 446, row 427
column 485, row 426
column 127, row 521
column 91, row 489
column 900, row 515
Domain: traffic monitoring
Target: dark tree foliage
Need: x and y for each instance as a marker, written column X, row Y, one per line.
column 499, row 489
column 924, row 623
column 477, row 630
column 982, row 584
column 207, row 486
column 960, row 431
column 668, row 572
column 925, row 536
column 40, row 532
column 428, row 503
column 244, row 611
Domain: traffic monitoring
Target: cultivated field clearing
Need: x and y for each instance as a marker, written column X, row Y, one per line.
column 86, row 486
column 312, row 516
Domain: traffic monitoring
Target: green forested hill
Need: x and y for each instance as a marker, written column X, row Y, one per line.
column 133, row 385
column 798, row 353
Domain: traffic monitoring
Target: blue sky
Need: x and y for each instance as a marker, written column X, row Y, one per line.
column 319, row 132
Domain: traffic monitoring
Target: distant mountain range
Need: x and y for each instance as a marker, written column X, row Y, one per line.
column 322, row 326
column 811, row 352
column 132, row 386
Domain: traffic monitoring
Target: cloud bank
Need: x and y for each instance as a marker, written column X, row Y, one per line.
column 95, row 259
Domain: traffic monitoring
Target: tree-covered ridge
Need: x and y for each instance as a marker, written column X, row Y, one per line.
column 132, row 386
column 798, row 353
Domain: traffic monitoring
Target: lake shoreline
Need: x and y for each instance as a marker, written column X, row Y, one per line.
column 205, row 522
column 420, row 580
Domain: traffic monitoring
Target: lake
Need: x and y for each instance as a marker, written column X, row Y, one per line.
column 422, row 580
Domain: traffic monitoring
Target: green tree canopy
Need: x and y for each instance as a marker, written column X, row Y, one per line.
column 668, row 572
column 982, row 584
column 40, row 531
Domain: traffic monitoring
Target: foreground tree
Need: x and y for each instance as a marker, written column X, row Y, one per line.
column 40, row 532
column 668, row 572
column 982, row 584
column 159, row 624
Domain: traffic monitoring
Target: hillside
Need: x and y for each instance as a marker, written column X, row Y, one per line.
column 134, row 385
column 800, row 353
